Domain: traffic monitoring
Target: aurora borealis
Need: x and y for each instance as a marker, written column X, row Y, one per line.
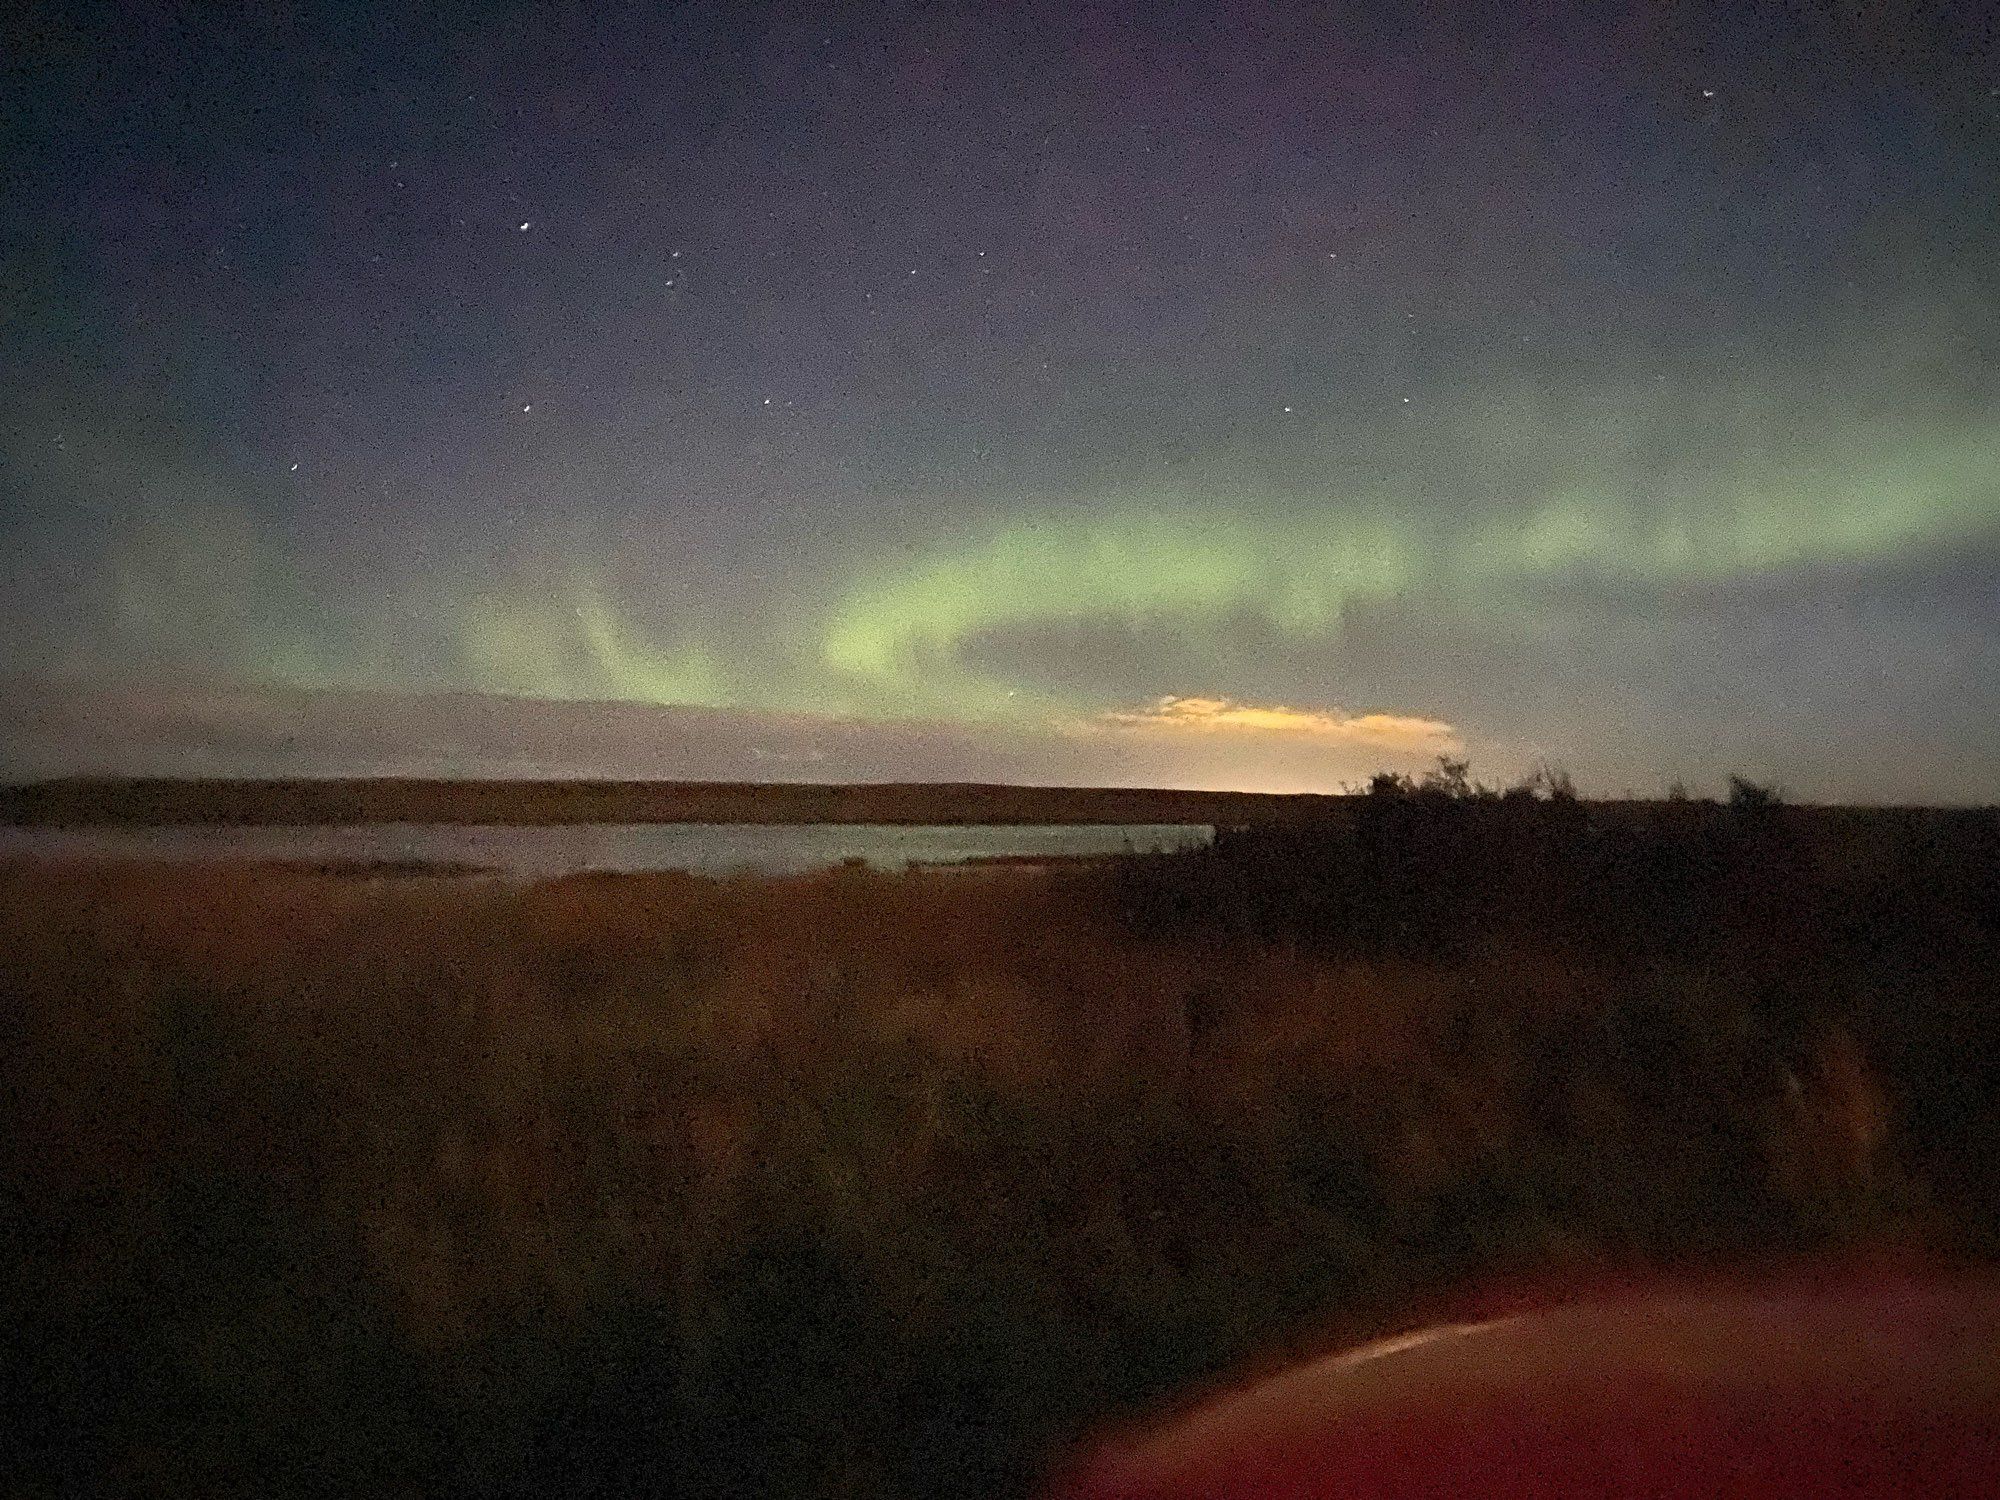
column 1163, row 394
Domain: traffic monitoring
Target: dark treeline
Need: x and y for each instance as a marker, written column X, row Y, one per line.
column 1878, row 924
column 1430, row 868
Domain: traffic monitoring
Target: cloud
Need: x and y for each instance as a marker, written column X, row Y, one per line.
column 1403, row 733
column 236, row 729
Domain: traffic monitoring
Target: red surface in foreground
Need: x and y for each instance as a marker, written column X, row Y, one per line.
column 1830, row 1384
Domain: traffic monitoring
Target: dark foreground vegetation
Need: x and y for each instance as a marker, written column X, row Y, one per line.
column 893, row 1185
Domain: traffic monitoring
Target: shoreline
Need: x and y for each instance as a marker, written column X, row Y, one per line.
column 150, row 803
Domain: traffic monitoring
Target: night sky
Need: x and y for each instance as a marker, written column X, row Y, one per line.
column 1149, row 395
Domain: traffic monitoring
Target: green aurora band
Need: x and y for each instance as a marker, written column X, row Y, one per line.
column 863, row 632
column 900, row 631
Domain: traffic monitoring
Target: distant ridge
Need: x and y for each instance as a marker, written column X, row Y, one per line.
column 82, row 801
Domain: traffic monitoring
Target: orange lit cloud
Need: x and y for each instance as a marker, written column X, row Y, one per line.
column 1396, row 732
column 190, row 727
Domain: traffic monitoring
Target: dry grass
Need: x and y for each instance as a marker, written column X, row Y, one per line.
column 845, row 1184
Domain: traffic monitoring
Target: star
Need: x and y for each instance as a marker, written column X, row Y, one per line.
column 524, row 225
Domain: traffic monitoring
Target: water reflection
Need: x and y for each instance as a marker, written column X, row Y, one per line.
column 707, row 848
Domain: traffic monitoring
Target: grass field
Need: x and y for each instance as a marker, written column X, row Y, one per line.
column 862, row 1184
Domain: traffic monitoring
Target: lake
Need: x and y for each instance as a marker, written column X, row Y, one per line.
column 706, row 848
